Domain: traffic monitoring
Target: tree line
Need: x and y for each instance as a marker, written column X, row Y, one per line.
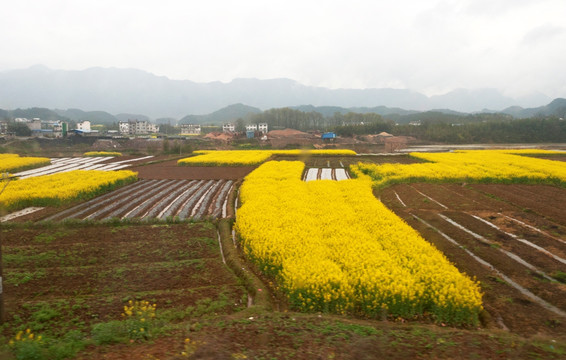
column 532, row 130
column 428, row 126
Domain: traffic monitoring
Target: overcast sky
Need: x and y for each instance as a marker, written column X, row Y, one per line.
column 432, row 46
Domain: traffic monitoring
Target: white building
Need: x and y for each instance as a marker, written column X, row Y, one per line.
column 124, row 127
column 251, row 127
column 137, row 127
column 229, row 127
column 262, row 127
column 84, row 126
column 57, row 128
column 34, row 125
column 190, row 129
column 154, row 128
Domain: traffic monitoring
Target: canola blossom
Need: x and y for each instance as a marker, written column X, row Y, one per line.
column 56, row 189
column 487, row 166
column 13, row 162
column 102, row 153
column 333, row 247
column 251, row 157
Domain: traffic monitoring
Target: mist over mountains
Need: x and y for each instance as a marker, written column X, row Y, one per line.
column 130, row 91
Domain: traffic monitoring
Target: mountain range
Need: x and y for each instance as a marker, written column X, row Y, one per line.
column 130, row 92
column 556, row 108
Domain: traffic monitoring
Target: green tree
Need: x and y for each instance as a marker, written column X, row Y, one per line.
column 169, row 129
column 240, row 126
column 20, row 129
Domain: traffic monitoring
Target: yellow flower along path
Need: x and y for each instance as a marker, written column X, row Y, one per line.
column 14, row 163
column 487, row 166
column 333, row 247
column 250, row 157
column 56, row 189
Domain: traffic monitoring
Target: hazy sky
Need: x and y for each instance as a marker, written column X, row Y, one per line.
column 432, row 46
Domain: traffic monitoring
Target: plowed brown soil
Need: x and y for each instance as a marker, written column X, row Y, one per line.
column 170, row 170
column 93, row 269
column 507, row 308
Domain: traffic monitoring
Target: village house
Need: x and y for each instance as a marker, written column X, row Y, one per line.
column 190, row 129
column 137, row 127
column 228, row 127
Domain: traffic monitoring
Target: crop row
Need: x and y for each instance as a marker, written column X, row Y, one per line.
column 488, row 166
column 530, row 260
column 251, row 157
column 102, row 153
column 333, row 247
column 13, row 162
column 326, row 174
column 59, row 165
column 61, row 188
column 156, row 199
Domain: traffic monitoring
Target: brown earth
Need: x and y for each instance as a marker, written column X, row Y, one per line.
column 87, row 272
column 269, row 335
column 170, row 170
column 109, row 265
column 506, row 307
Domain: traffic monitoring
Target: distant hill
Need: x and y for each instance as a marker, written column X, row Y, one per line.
column 555, row 108
column 133, row 91
column 230, row 113
column 464, row 100
column 126, row 117
column 36, row 112
column 98, row 117
column 328, row 111
column 166, row 120
column 227, row 114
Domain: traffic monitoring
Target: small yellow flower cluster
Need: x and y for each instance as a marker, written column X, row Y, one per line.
column 25, row 336
column 139, row 316
column 190, row 346
column 13, row 162
column 139, row 309
column 491, row 166
column 251, row 157
column 52, row 190
column 102, row 153
column 334, row 247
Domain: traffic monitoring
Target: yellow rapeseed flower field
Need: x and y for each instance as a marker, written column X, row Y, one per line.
column 102, row 153
column 250, row 157
column 13, row 162
column 52, row 190
column 489, row 166
column 333, row 247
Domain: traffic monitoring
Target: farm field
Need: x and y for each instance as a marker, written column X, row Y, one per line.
column 10, row 163
column 512, row 238
column 62, row 277
column 170, row 170
column 64, row 281
column 67, row 278
column 325, row 174
column 59, row 165
column 253, row 157
column 346, row 161
column 155, row 199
